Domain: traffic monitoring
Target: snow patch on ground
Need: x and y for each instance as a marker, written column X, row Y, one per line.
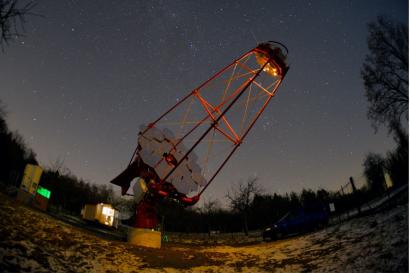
column 33, row 241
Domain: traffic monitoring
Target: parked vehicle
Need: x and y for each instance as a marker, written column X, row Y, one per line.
column 297, row 222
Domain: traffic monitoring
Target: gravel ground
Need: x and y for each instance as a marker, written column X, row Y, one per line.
column 31, row 241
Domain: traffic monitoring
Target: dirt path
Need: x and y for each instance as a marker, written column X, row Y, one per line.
column 32, row 241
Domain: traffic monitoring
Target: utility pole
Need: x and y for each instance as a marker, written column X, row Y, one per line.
column 353, row 185
column 355, row 194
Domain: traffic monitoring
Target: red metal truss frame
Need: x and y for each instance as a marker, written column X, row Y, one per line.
column 215, row 114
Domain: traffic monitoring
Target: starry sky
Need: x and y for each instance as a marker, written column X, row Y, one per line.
column 88, row 73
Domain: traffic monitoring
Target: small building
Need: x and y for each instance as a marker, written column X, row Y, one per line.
column 102, row 213
column 30, row 192
column 31, row 178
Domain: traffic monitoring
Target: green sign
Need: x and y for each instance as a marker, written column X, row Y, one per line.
column 44, row 192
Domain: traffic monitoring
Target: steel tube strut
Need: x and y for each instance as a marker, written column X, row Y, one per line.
column 217, row 120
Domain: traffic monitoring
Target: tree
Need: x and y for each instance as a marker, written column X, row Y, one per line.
column 241, row 196
column 308, row 198
column 3, row 125
column 267, row 209
column 11, row 17
column 294, row 200
column 209, row 212
column 14, row 153
column 397, row 161
column 211, row 206
column 385, row 72
column 374, row 172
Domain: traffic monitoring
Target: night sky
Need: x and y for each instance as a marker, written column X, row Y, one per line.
column 88, row 73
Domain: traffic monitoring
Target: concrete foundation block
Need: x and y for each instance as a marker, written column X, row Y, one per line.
column 144, row 237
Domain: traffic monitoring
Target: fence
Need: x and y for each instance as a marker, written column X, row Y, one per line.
column 353, row 198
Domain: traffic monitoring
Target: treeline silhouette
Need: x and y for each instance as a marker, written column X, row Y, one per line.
column 70, row 194
column 264, row 210
column 14, row 153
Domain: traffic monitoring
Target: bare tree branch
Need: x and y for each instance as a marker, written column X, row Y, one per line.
column 241, row 197
column 12, row 19
column 385, row 72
